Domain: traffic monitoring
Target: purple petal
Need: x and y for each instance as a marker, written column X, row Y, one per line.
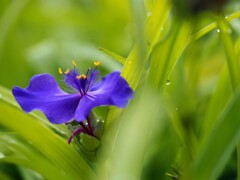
column 111, row 90
column 44, row 94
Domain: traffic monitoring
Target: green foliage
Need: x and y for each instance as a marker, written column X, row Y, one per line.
column 36, row 146
column 217, row 149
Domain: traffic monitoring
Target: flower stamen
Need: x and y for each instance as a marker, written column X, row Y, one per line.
column 82, row 76
column 67, row 71
column 79, row 77
column 97, row 63
column 60, row 70
column 74, row 63
column 89, row 71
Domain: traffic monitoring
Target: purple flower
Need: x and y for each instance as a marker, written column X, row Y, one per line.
column 44, row 94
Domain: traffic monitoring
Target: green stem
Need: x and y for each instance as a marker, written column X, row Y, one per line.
column 90, row 125
column 226, row 39
column 233, row 65
column 211, row 27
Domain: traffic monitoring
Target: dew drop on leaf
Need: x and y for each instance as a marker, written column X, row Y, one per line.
column 168, row 82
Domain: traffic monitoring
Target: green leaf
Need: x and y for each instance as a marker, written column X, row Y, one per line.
column 7, row 97
column 89, row 142
column 126, row 141
column 22, row 153
column 114, row 55
column 166, row 54
column 218, row 102
column 220, row 144
column 212, row 26
column 136, row 61
column 54, row 147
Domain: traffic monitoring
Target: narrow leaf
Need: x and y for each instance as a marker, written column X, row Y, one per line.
column 43, row 138
column 114, row 55
column 218, row 147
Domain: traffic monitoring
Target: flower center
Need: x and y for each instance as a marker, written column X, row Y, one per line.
column 80, row 82
column 82, row 76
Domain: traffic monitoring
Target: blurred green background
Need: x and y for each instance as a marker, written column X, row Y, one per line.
column 40, row 36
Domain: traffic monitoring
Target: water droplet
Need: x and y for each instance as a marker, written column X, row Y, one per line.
column 218, row 30
column 226, row 17
column 2, row 155
column 149, row 13
column 0, row 96
column 129, row 62
column 161, row 29
column 176, row 108
column 168, row 82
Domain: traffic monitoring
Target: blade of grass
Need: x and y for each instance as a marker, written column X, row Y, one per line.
column 210, row 161
column 137, row 59
column 212, row 26
column 166, row 54
column 6, row 96
column 24, row 154
column 219, row 100
column 114, row 55
column 54, row 147
column 131, row 135
column 232, row 62
column 226, row 39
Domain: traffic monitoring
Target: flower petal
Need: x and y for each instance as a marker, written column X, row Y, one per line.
column 44, row 94
column 111, row 90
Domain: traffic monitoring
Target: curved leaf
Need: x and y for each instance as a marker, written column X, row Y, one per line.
column 55, row 148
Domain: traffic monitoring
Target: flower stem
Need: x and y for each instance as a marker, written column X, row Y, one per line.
column 84, row 127
column 233, row 65
column 75, row 132
column 90, row 126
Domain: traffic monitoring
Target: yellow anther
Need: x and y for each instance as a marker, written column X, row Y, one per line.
column 67, row 71
column 60, row 70
column 84, row 76
column 81, row 76
column 74, row 63
column 97, row 63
